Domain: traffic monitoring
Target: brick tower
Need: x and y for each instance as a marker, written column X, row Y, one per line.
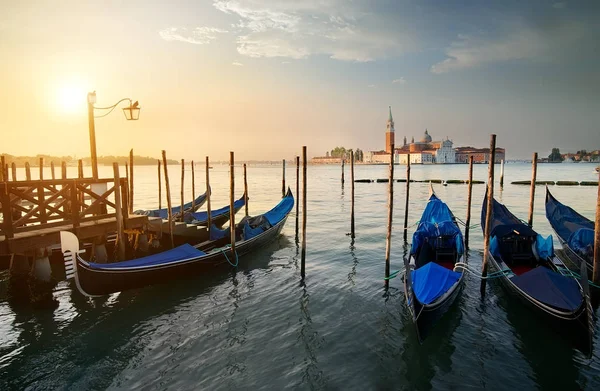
column 389, row 133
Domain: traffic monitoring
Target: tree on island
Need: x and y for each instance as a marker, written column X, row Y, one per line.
column 338, row 152
column 555, row 156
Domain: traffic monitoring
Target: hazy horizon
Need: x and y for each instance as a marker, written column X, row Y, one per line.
column 263, row 78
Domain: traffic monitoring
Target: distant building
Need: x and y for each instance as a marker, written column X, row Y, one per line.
column 389, row 133
column 480, row 155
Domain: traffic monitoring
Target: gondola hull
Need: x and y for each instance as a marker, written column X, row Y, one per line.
column 424, row 316
column 96, row 282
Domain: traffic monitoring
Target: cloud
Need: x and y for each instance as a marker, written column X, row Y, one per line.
column 559, row 5
column 238, row 64
column 285, row 62
column 197, row 35
column 399, row 81
column 299, row 29
column 534, row 43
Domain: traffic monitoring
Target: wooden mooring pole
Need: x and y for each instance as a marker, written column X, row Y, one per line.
column 193, row 187
column 297, row 195
column 63, row 170
column 596, row 273
column 488, row 213
column 131, row 181
column 41, row 168
column 405, row 235
column 388, row 237
column 352, row 233
column 80, row 168
column 469, row 195
column 159, row 187
column 119, row 212
column 342, row 169
column 27, row 171
column 13, row 167
column 52, row 174
column 2, row 176
column 532, row 191
column 303, row 253
column 245, row 191
column 283, row 180
column 231, row 201
column 168, row 189
column 502, row 173
column 208, row 195
column 182, row 187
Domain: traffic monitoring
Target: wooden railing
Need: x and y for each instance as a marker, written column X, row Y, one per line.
column 35, row 205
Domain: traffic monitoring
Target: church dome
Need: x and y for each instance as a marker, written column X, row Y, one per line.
column 426, row 137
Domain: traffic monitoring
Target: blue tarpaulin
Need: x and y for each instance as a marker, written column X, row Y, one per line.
column 550, row 288
column 436, row 221
column 582, row 242
column 544, row 247
column 184, row 251
column 564, row 220
column 217, row 233
column 249, row 232
column 202, row 217
column 431, row 281
column 164, row 212
column 281, row 210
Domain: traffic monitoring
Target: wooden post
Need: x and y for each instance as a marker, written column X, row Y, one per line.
column 52, row 170
column 80, row 168
column 488, row 213
column 208, row 196
column 407, row 197
column 231, row 201
column 131, row 181
column 596, row 272
column 502, row 173
column 342, row 169
column 13, row 167
column 2, row 162
column 63, row 170
column 41, row 168
column 532, row 191
column 303, row 256
column 352, row 193
column 283, row 180
column 470, row 193
column 245, row 190
column 119, row 212
column 182, row 186
column 297, row 195
column 388, row 238
column 27, row 171
column 159, row 187
column 169, row 210
column 193, row 188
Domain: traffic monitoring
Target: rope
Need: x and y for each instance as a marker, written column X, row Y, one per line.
column 393, row 275
column 497, row 274
column 227, row 258
column 571, row 273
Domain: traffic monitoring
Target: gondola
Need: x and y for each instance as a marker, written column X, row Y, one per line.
column 94, row 279
column 176, row 210
column 575, row 232
column 218, row 216
column 431, row 283
column 525, row 263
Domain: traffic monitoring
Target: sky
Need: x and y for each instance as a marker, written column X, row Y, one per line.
column 264, row 77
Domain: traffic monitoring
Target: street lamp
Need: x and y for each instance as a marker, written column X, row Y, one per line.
column 132, row 113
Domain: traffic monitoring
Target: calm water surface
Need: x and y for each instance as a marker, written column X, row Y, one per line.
column 259, row 327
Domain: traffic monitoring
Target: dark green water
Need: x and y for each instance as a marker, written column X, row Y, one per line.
column 260, row 327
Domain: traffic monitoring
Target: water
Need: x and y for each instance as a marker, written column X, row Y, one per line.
column 259, row 327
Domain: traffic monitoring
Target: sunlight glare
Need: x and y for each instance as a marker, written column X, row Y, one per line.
column 71, row 98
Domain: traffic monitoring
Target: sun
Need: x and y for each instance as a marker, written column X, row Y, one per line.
column 71, row 98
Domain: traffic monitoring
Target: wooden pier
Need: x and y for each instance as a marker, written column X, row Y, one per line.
column 34, row 212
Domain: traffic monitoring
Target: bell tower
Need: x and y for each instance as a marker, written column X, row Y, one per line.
column 389, row 133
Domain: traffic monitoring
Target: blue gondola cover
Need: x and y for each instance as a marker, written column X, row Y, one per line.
column 431, row 281
column 278, row 213
column 217, row 233
column 202, row 217
column 582, row 242
column 550, row 288
column 249, row 232
column 564, row 219
column 544, row 247
column 437, row 221
column 184, row 251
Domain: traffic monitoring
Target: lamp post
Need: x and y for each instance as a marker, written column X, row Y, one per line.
column 132, row 113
